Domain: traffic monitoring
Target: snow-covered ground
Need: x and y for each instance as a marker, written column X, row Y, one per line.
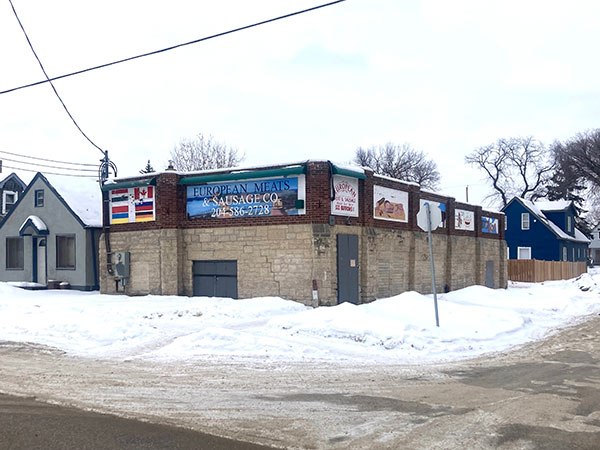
column 400, row 329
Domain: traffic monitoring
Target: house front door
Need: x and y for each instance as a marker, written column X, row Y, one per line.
column 41, row 261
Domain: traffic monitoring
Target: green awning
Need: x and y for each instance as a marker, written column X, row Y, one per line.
column 337, row 170
column 247, row 175
column 129, row 184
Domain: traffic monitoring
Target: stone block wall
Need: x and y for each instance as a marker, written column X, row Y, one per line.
column 283, row 260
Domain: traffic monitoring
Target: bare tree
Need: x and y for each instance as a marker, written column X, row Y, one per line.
column 202, row 153
column 400, row 161
column 582, row 155
column 515, row 167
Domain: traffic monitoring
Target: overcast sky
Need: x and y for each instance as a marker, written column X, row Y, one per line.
column 446, row 77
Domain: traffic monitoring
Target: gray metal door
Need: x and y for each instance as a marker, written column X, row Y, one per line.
column 347, row 268
column 489, row 274
column 215, row 278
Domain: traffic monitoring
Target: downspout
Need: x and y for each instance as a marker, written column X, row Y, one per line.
column 330, row 164
column 94, row 263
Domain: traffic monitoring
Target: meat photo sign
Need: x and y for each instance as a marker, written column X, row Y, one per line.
column 390, row 204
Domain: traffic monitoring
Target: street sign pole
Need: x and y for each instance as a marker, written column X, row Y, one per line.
column 437, row 319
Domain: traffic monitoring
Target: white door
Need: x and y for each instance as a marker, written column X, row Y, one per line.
column 41, row 261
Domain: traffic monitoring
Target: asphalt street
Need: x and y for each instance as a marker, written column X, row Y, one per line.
column 26, row 424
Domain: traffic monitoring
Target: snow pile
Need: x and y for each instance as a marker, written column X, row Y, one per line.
column 400, row 329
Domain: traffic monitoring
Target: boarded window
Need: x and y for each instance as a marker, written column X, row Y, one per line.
column 524, row 253
column 14, row 253
column 65, row 252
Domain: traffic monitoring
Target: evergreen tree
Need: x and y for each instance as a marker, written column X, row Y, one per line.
column 147, row 169
column 567, row 183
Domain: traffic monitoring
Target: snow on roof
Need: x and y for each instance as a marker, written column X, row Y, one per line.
column 83, row 196
column 579, row 236
column 37, row 223
column 556, row 205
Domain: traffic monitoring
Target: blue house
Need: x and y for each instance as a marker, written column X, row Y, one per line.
column 544, row 231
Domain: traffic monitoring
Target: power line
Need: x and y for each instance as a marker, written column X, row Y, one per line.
column 50, row 80
column 48, row 160
column 52, row 173
column 52, row 167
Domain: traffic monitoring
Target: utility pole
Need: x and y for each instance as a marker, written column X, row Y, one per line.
column 467, row 189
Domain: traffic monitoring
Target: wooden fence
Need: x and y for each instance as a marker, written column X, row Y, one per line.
column 533, row 270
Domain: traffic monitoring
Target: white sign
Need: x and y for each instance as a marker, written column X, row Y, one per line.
column 345, row 202
column 435, row 213
column 464, row 220
column 434, row 205
column 390, row 204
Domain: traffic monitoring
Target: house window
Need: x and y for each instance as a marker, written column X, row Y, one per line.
column 39, row 198
column 523, row 252
column 564, row 254
column 569, row 224
column 9, row 198
column 524, row 221
column 65, row 252
column 14, row 253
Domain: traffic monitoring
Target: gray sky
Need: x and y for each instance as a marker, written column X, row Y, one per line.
column 446, row 77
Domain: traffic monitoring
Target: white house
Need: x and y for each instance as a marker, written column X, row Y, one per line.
column 595, row 245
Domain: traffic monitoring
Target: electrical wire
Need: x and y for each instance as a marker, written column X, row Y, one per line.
column 166, row 49
column 46, row 165
column 51, row 173
column 49, row 81
column 48, row 160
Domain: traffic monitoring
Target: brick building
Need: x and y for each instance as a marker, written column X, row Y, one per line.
column 291, row 230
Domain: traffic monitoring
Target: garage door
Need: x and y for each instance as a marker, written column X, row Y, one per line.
column 215, row 278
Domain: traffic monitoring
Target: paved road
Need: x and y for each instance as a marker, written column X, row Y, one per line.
column 543, row 396
column 26, row 424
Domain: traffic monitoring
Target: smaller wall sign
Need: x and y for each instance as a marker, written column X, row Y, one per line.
column 345, row 202
column 390, row 204
column 489, row 225
column 131, row 205
column 464, row 220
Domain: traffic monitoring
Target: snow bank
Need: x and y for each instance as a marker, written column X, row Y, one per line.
column 400, row 329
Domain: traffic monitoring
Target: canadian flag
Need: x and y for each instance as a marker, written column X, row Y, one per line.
column 144, row 193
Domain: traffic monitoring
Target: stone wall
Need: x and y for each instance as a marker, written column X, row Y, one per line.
column 283, row 260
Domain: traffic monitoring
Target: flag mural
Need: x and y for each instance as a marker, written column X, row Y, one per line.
column 130, row 205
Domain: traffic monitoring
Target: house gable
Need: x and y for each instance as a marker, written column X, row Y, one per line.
column 547, row 240
column 539, row 237
column 11, row 188
column 564, row 219
column 35, row 185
